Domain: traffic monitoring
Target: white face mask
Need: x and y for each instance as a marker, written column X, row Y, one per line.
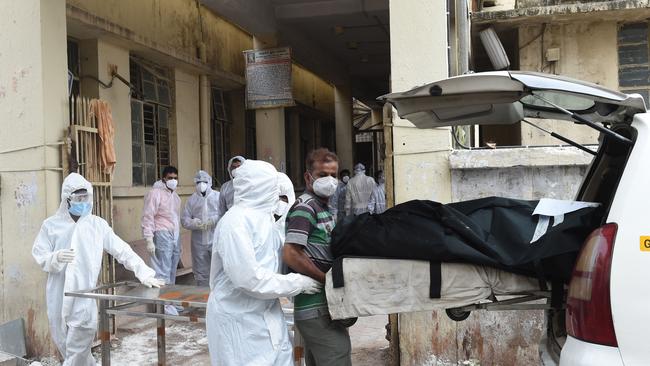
column 171, row 184
column 201, row 187
column 281, row 208
column 325, row 187
column 345, row 179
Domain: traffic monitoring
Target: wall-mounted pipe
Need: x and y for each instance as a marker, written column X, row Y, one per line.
column 204, row 116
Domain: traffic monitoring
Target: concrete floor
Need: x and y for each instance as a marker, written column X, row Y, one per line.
column 187, row 343
column 369, row 345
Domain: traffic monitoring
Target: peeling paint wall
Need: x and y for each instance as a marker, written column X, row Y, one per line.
column 588, row 51
column 33, row 89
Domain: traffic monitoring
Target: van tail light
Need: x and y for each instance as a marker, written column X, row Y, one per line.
column 589, row 311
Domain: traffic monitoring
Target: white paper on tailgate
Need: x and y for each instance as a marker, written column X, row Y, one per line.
column 387, row 286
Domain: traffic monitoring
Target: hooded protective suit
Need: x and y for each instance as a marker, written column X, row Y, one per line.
column 227, row 191
column 358, row 191
column 336, row 203
column 200, row 215
column 160, row 221
column 245, row 322
column 377, row 204
column 286, row 189
column 73, row 321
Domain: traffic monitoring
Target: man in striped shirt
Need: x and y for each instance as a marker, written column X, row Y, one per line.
column 307, row 251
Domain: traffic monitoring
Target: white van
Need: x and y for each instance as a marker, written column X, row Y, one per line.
column 606, row 319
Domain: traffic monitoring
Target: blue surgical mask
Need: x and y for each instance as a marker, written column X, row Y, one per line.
column 80, row 208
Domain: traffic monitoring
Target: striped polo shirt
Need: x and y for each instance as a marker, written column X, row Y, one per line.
column 310, row 224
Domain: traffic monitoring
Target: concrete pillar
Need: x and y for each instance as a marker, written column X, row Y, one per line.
column 270, row 126
column 418, row 37
column 421, row 156
column 271, row 146
column 188, row 133
column 344, row 128
column 33, row 103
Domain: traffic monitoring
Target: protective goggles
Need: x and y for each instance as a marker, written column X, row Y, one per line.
column 81, row 197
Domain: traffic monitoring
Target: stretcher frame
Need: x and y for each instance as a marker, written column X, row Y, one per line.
column 520, row 301
column 193, row 299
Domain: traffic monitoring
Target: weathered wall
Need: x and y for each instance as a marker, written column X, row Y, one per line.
column 177, row 26
column 311, row 90
column 33, row 94
column 525, row 173
column 588, row 51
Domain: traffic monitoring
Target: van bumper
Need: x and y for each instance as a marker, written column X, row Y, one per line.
column 579, row 353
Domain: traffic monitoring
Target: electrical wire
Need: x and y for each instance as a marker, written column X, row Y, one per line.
column 453, row 134
column 31, row 147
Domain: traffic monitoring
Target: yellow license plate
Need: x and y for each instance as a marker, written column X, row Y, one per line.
column 645, row 243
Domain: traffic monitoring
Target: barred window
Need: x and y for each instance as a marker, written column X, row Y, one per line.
column 150, row 114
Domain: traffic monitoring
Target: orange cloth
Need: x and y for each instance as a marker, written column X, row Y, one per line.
column 102, row 111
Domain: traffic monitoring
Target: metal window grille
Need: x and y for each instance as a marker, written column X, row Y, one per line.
column 150, row 125
column 633, row 65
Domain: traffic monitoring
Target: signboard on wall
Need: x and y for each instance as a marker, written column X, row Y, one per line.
column 268, row 78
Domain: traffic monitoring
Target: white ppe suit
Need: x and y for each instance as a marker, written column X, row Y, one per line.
column 227, row 191
column 286, row 189
column 200, row 215
column 358, row 192
column 73, row 321
column 377, row 204
column 336, row 203
column 160, row 221
column 245, row 322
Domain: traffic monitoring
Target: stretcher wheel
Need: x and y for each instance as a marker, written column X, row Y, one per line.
column 457, row 315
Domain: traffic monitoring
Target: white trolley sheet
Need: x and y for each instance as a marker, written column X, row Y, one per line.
column 387, row 286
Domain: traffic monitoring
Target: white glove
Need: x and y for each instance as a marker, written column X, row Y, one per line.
column 309, row 285
column 153, row 282
column 197, row 223
column 65, row 255
column 151, row 247
column 209, row 223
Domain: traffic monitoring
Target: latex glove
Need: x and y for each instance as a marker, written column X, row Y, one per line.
column 151, row 247
column 197, row 223
column 153, row 282
column 65, row 255
column 209, row 223
column 309, row 285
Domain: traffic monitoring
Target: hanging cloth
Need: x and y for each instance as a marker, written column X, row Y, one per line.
column 101, row 110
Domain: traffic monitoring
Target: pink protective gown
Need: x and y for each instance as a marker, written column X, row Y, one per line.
column 161, row 221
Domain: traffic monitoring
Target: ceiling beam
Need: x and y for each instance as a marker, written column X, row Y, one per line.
column 251, row 15
column 298, row 11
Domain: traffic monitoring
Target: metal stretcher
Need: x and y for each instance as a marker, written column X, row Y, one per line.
column 516, row 301
column 128, row 295
column 375, row 286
